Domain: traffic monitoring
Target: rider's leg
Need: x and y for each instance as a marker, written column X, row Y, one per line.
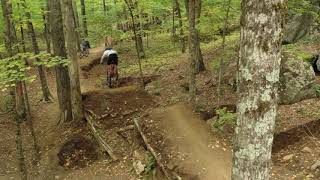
column 117, row 73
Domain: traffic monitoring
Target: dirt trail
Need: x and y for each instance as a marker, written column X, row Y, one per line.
column 199, row 155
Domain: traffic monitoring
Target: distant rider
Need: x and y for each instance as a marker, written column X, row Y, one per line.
column 85, row 45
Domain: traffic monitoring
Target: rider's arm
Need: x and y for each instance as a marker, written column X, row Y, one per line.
column 103, row 56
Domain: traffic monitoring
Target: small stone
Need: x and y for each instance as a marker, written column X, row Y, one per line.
column 138, row 167
column 288, row 157
column 315, row 165
column 306, row 150
column 56, row 177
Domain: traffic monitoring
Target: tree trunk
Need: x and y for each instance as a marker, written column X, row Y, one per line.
column 199, row 59
column 129, row 5
column 76, row 19
column 227, row 6
column 174, row 36
column 46, row 32
column 42, row 75
column 23, row 42
column 258, row 77
column 59, row 49
column 192, row 50
column 104, row 7
column 181, row 35
column 140, row 30
column 10, row 40
column 76, row 98
column 84, row 18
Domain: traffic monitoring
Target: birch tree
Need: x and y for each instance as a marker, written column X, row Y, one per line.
column 258, row 76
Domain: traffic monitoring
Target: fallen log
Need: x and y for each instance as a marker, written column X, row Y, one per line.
column 103, row 145
column 149, row 148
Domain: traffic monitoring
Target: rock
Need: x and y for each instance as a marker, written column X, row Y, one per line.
column 306, row 150
column 315, row 165
column 288, row 157
column 139, row 161
column 298, row 27
column 138, row 167
column 297, row 80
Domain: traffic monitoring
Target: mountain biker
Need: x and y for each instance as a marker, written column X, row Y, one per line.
column 85, row 45
column 110, row 57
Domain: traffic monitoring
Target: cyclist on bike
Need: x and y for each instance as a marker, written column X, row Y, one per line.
column 110, row 57
column 85, row 46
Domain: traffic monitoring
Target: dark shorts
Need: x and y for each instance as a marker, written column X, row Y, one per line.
column 112, row 59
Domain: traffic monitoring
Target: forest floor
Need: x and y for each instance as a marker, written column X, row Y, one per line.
column 185, row 141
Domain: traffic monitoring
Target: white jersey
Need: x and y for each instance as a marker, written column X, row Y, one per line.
column 107, row 53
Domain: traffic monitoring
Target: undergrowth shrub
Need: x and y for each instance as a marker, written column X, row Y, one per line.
column 224, row 118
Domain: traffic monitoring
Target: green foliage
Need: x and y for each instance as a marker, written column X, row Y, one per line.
column 317, row 89
column 14, row 69
column 6, row 103
column 199, row 108
column 224, row 118
column 150, row 165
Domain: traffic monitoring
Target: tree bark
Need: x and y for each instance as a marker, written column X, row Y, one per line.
column 76, row 97
column 10, row 40
column 84, row 18
column 227, row 6
column 137, row 29
column 181, row 35
column 59, row 49
column 76, row 19
column 192, row 50
column 258, row 76
column 129, row 5
column 104, row 7
column 199, row 58
column 44, row 84
column 46, row 24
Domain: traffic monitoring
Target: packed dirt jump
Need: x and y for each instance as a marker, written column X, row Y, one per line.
column 189, row 147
